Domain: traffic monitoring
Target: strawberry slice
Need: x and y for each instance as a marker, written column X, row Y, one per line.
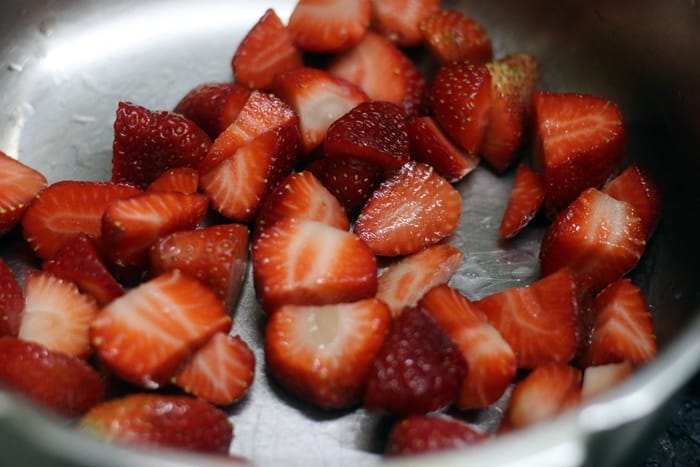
column 67, row 208
column 597, row 379
column 179, row 422
column 597, row 236
column 239, row 184
column 453, row 36
column 220, row 372
column 147, row 143
column 636, row 186
column 305, row 262
column 144, row 335
column 411, row 210
column 623, row 328
column 404, row 282
column 417, row 370
column 579, row 143
column 460, row 99
column 540, row 321
column 216, row 255
column 490, row 360
column 430, row 145
column 418, row 434
column 61, row 383
column 398, row 20
column 11, row 301
column 56, row 315
column 267, row 50
column 525, row 200
column 324, row 354
column 19, row 185
column 182, row 179
column 205, row 104
column 329, row 25
column 79, row 261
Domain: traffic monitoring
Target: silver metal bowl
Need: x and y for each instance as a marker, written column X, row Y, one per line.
column 65, row 65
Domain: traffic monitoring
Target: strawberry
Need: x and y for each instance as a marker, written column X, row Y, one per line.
column 490, row 360
column 324, row 354
column 547, row 391
column 453, row 36
column 205, row 104
column 404, row 282
column 329, row 25
column 398, row 20
column 622, row 329
column 428, row 433
column 318, row 99
column 79, row 261
column 411, row 210
column 19, row 185
column 579, row 143
column 144, row 335
column 597, row 236
column 305, row 262
column 147, row 143
column 216, row 255
column 373, row 131
column 267, row 50
column 417, row 370
column 130, row 226
column 220, row 372
column 460, row 99
column 301, row 195
column 179, row 422
column 636, row 186
column 540, row 321
column 232, row 107
column 67, row 208
column 525, row 200
column 11, row 301
column 62, row 383
column 182, row 179
column 240, row 183
column 430, row 145
column 382, row 71
column 599, row 378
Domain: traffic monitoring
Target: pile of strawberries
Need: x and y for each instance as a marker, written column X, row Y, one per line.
column 330, row 166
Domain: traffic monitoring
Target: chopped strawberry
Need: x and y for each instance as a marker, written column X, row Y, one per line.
column 599, row 378
column 428, row 433
column 453, row 36
column 67, row 208
column 490, row 360
column 598, row 237
column 79, row 261
column 19, row 185
column 11, row 301
column 525, row 200
column 179, row 422
column 65, row 384
column 220, row 372
column 411, row 210
column 205, row 104
column 460, row 99
column 622, row 329
column 417, row 370
column 232, row 106
column 144, row 335
column 305, row 262
column 382, row 71
column 130, row 226
column 579, row 143
column 329, row 25
column 398, row 20
column 547, row 391
column 405, row 281
column 430, row 145
column 637, row 187
column 267, row 50
column 540, row 321
column 147, row 143
column 216, row 255
column 318, row 99
column 324, row 354
column 182, row 179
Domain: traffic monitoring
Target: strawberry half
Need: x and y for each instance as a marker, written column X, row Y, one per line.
column 428, row 433
column 324, row 354
column 597, row 379
column 11, row 301
column 205, row 104
column 398, row 20
column 182, row 179
column 524, row 203
column 329, row 25
column 411, row 210
column 453, row 36
column 636, row 186
column 305, row 262
column 144, row 335
column 19, row 185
